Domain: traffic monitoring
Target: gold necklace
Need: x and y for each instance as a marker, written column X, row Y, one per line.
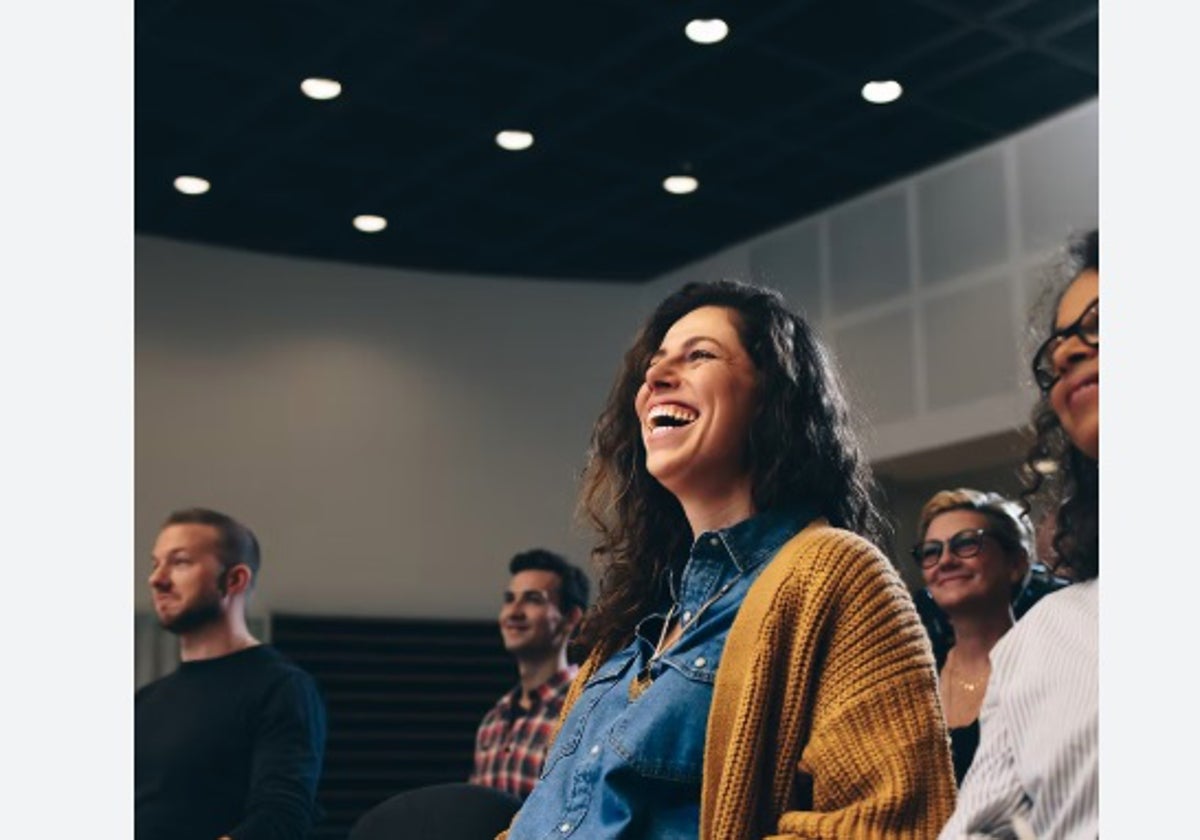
column 970, row 685
column 961, row 706
column 643, row 679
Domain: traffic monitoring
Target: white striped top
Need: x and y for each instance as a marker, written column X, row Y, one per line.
column 1036, row 772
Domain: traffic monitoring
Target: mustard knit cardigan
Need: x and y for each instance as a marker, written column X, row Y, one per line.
column 825, row 719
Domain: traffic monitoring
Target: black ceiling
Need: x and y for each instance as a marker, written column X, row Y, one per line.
column 770, row 120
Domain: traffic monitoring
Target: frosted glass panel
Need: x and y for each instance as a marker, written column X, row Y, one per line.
column 961, row 216
column 970, row 345
column 875, row 358
column 869, row 252
column 790, row 262
column 1058, row 176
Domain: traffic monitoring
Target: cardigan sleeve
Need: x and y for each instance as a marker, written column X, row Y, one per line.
column 877, row 761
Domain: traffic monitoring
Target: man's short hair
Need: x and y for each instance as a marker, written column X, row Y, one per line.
column 235, row 542
column 574, row 589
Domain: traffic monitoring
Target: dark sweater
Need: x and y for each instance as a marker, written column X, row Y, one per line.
column 232, row 746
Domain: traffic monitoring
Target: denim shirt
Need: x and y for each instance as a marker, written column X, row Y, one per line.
column 625, row 768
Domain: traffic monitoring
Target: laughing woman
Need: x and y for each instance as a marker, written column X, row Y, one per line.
column 758, row 667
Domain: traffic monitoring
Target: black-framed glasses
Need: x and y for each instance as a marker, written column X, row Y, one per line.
column 966, row 543
column 1086, row 326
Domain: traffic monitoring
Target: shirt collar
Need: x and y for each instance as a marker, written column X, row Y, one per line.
column 545, row 692
column 753, row 541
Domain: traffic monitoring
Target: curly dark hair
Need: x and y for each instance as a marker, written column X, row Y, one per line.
column 802, row 451
column 1072, row 487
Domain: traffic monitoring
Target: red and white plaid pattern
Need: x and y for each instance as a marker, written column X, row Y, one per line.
column 511, row 742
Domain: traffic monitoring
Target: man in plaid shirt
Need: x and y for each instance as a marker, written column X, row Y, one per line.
column 543, row 604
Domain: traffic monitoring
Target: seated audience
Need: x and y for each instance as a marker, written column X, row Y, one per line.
column 230, row 744
column 974, row 553
column 1036, row 772
column 758, row 666
column 543, row 605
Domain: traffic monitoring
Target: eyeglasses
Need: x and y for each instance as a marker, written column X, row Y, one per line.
column 964, row 544
column 1086, row 326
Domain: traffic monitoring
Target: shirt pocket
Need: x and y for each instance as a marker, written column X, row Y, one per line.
column 600, row 683
column 662, row 734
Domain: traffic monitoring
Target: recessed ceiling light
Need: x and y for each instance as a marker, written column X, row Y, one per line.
column 882, row 92
column 192, row 185
column 514, row 141
column 315, row 88
column 707, row 31
column 370, row 224
column 680, row 184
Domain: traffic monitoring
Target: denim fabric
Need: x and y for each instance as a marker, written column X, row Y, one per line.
column 625, row 768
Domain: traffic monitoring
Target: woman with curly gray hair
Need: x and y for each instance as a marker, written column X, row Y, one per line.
column 1036, row 772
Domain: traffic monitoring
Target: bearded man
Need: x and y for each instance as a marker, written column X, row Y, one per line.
column 230, row 744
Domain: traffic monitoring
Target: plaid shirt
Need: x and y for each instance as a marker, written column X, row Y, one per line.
column 511, row 742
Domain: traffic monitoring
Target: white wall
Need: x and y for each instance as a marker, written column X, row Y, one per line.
column 394, row 438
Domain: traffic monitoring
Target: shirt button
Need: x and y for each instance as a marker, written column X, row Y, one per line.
column 700, row 662
column 596, row 750
column 714, row 541
column 564, row 828
column 687, row 616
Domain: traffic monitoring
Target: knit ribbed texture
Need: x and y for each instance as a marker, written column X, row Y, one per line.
column 825, row 718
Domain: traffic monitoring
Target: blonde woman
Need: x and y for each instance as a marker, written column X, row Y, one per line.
column 974, row 553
